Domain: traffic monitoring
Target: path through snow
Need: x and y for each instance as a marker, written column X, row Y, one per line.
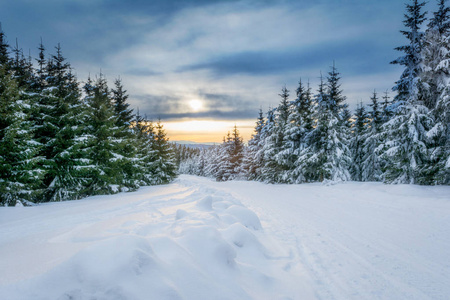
column 186, row 240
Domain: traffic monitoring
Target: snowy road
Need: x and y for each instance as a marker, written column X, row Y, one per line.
column 199, row 239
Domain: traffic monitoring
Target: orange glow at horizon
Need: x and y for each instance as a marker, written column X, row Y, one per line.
column 206, row 131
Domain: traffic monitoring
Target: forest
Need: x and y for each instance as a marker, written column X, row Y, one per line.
column 63, row 139
column 62, row 142
column 315, row 137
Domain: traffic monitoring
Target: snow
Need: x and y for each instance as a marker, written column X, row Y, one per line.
column 201, row 239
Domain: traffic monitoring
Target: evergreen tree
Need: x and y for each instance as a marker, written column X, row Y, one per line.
column 328, row 156
column 164, row 165
column 237, row 151
column 298, row 128
column 146, row 156
column 436, row 55
column 359, row 135
column 438, row 170
column 275, row 157
column 252, row 162
column 20, row 174
column 372, row 163
column 4, row 55
column 125, row 137
column 22, row 68
column 63, row 132
column 410, row 83
column 266, row 133
column 271, row 172
column 405, row 145
column 123, row 113
column 106, row 176
column 313, row 158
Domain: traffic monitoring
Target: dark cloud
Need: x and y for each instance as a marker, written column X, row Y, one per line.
column 210, row 115
column 217, row 106
column 357, row 56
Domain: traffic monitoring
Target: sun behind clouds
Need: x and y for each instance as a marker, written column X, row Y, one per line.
column 196, row 104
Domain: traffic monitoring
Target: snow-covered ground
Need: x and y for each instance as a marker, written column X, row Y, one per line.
column 199, row 239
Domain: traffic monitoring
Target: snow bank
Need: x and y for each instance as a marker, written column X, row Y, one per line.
column 180, row 241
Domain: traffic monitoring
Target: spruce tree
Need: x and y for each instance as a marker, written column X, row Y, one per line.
column 106, row 177
column 405, row 145
column 164, row 165
column 252, row 162
column 409, row 82
column 20, row 174
column 312, row 159
column 146, row 156
column 372, row 163
column 436, row 55
column 125, row 136
column 237, row 153
column 4, row 55
column 62, row 131
column 297, row 130
column 275, row 163
column 328, row 156
column 124, row 114
column 359, row 136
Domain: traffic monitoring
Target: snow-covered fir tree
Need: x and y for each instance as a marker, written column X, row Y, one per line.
column 60, row 131
column 405, row 145
column 359, row 136
column 164, row 171
column 252, row 162
column 372, row 163
column 298, row 128
column 20, row 172
column 436, row 78
column 328, row 156
column 435, row 73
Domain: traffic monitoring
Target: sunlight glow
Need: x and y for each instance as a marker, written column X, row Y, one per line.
column 195, row 104
column 206, row 130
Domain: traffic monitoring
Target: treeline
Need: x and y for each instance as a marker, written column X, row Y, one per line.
column 315, row 137
column 59, row 141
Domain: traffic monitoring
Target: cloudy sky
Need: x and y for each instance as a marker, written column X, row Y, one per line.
column 198, row 61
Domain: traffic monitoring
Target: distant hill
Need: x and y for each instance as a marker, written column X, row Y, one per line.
column 194, row 145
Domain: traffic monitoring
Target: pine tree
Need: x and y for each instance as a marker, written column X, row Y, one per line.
column 372, row 163
column 410, row 83
column 438, row 170
column 298, row 128
column 275, row 164
column 436, row 55
column 20, row 174
column 62, row 132
column 106, row 176
column 436, row 76
column 359, row 136
column 312, row 159
column 146, row 156
column 165, row 166
column 125, row 136
column 123, row 113
column 252, row 162
column 266, row 133
column 22, row 69
column 405, row 145
column 4, row 55
column 328, row 156
column 237, row 151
